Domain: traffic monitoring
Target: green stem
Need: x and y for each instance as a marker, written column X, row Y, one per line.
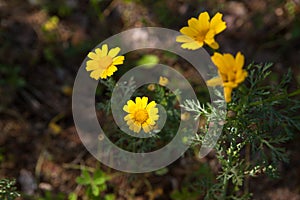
column 282, row 96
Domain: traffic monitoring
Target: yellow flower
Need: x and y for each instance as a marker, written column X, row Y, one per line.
column 151, row 87
column 51, row 24
column 103, row 62
column 201, row 31
column 231, row 72
column 141, row 114
column 163, row 81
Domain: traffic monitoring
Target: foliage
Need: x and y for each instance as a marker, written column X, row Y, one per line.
column 260, row 119
column 95, row 184
column 11, row 76
column 8, row 189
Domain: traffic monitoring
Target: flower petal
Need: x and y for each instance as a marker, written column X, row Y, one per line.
column 214, row 81
column 137, row 127
column 239, row 61
column 91, row 65
column 92, row 55
column 213, row 44
column 113, row 52
column 217, row 23
column 104, row 49
column 195, row 24
column 146, row 127
column 118, row 60
column 96, row 74
column 227, row 93
column 188, row 31
column 192, row 45
column 184, row 38
column 144, row 102
column 204, row 20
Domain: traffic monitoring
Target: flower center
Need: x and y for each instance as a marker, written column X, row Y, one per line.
column 200, row 38
column 201, row 35
column 106, row 61
column 141, row 115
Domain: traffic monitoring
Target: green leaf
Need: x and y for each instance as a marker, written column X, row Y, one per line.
column 99, row 177
column 84, row 179
column 162, row 171
column 95, row 190
column 72, row 196
column 148, row 59
column 109, row 197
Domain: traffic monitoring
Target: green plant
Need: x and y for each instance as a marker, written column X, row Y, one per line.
column 95, row 184
column 8, row 189
column 261, row 118
column 11, row 76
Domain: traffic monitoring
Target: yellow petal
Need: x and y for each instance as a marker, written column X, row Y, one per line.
column 99, row 53
column 217, row 59
column 204, row 20
column 103, row 75
column 144, row 102
column 239, row 60
column 229, row 63
column 104, row 49
column 152, row 104
column 138, row 102
column 240, row 76
column 91, row 65
column 227, row 93
column 150, row 121
column 195, row 24
column 213, row 44
column 137, row 127
column 118, row 60
column 146, row 128
column 153, row 111
column 111, row 70
column 92, row 55
column 214, row 81
column 184, row 38
column 130, row 122
column 189, row 31
column 131, row 127
column 130, row 107
column 217, row 23
column 230, row 84
column 192, row 45
column 127, row 117
column 113, row 52
column 154, row 117
column 96, row 74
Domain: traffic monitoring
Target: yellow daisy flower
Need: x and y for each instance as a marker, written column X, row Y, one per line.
column 103, row 62
column 231, row 72
column 141, row 114
column 201, row 31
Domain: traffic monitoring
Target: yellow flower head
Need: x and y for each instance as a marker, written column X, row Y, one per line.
column 51, row 24
column 230, row 70
column 151, row 87
column 141, row 114
column 163, row 81
column 201, row 31
column 103, row 62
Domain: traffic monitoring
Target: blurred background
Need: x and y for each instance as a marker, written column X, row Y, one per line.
column 42, row 45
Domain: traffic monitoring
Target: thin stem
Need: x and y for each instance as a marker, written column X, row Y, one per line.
column 282, row 96
column 247, row 158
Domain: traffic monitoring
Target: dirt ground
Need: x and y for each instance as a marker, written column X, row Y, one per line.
column 43, row 157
